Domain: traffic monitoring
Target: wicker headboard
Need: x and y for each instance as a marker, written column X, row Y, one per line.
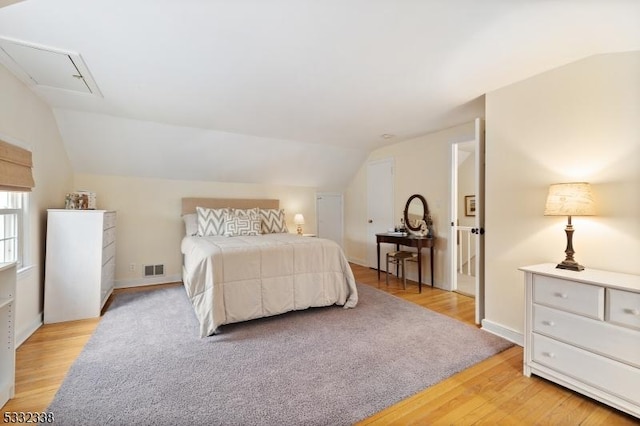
column 189, row 204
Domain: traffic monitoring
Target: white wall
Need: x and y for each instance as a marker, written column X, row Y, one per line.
column 422, row 166
column 27, row 121
column 149, row 227
column 580, row 122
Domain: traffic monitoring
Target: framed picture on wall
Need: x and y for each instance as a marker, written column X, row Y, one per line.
column 469, row 205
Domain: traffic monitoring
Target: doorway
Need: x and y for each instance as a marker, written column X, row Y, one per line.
column 465, row 256
column 467, row 218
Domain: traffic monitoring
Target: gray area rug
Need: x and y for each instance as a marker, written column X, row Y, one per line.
column 146, row 365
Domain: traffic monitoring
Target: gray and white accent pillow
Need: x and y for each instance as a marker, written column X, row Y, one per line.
column 210, row 221
column 254, row 212
column 238, row 224
column 273, row 221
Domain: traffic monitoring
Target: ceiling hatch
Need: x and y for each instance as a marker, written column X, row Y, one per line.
column 43, row 66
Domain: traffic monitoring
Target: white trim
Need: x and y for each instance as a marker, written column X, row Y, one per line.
column 359, row 262
column 26, row 332
column 25, row 271
column 26, row 249
column 140, row 282
column 22, row 239
column 504, row 332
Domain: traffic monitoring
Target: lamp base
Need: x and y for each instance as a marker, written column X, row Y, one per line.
column 570, row 265
column 568, row 262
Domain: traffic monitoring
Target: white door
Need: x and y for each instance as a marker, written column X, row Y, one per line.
column 467, row 218
column 379, row 207
column 329, row 212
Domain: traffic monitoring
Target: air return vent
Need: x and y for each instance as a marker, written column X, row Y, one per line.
column 153, row 270
column 41, row 66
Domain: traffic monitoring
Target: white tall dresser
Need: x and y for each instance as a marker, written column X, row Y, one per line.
column 582, row 331
column 80, row 263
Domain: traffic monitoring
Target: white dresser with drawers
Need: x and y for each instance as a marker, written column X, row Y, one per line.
column 582, row 331
column 80, row 263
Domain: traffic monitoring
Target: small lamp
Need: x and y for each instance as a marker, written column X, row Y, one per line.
column 570, row 199
column 298, row 219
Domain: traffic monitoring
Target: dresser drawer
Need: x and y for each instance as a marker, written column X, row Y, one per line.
column 570, row 296
column 108, row 236
column 623, row 308
column 606, row 339
column 108, row 274
column 108, row 252
column 600, row 372
column 109, row 220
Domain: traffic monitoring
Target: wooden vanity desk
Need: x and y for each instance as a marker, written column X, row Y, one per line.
column 409, row 241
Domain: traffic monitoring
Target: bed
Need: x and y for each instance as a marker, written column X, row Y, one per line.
column 237, row 278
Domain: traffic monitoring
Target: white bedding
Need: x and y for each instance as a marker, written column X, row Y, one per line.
column 232, row 279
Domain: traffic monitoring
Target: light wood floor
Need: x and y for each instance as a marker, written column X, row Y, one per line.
column 491, row 392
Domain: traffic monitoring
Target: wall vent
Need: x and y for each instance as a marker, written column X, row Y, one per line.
column 153, row 270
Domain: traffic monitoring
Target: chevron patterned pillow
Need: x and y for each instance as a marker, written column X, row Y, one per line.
column 254, row 212
column 210, row 221
column 273, row 221
column 238, row 224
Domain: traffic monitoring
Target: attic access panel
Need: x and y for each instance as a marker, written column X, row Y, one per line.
column 44, row 66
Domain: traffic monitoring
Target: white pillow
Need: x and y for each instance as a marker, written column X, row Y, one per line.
column 238, row 224
column 273, row 221
column 210, row 221
column 190, row 224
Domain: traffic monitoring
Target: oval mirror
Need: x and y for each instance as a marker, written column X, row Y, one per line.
column 415, row 211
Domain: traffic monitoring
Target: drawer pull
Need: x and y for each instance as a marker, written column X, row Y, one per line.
column 549, row 354
column 549, row 323
column 631, row 311
column 561, row 295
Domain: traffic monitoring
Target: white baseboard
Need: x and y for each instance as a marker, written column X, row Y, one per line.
column 140, row 282
column 504, row 332
column 358, row 261
column 23, row 334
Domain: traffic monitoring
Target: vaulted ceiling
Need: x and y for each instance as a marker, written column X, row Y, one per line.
column 289, row 91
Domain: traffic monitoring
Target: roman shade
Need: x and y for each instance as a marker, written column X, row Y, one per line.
column 15, row 168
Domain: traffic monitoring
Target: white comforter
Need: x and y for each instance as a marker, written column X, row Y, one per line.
column 232, row 279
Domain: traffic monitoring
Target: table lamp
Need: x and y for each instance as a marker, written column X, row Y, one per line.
column 570, row 199
column 298, row 219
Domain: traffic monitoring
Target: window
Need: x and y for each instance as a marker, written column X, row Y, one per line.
column 13, row 217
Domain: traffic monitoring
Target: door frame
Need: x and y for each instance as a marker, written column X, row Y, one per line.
column 480, row 210
column 478, row 139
